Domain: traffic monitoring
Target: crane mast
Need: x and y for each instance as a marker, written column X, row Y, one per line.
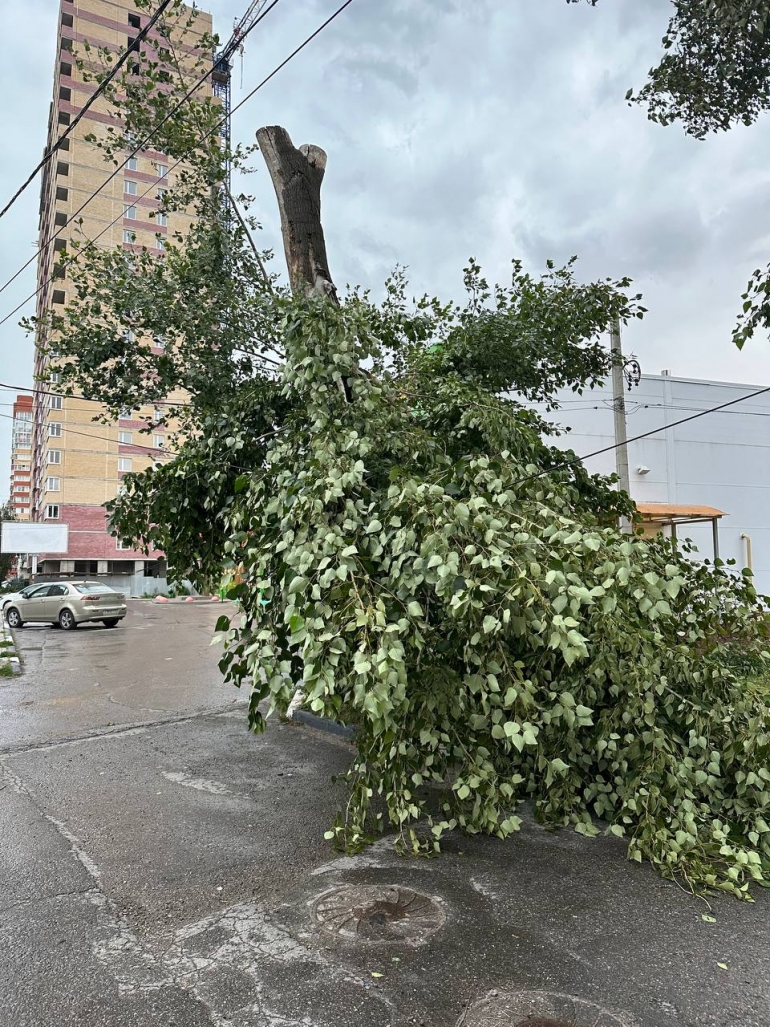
column 222, row 75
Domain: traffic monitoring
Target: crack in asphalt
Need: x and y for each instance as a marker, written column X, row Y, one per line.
column 197, row 958
column 136, row 709
column 122, row 729
column 40, row 899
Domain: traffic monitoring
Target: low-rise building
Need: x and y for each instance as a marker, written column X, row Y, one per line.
column 695, row 467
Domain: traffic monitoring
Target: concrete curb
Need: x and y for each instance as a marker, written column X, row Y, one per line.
column 177, row 600
column 330, row 727
column 9, row 657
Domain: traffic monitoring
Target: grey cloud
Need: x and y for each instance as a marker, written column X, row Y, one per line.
column 489, row 128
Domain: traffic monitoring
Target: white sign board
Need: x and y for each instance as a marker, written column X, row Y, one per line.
column 29, row 537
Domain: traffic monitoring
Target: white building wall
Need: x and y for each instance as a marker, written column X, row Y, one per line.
column 721, row 459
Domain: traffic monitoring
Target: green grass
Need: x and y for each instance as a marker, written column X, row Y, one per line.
column 6, row 670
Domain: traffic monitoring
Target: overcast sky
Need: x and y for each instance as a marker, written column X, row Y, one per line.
column 494, row 129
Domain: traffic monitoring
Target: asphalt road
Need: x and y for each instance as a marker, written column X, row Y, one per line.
column 161, row 866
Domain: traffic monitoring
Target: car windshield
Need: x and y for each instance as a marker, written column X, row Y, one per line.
column 30, row 590
column 91, row 587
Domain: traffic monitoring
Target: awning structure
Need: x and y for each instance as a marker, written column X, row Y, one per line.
column 672, row 514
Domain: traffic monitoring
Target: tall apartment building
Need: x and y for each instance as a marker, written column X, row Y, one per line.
column 21, row 458
column 78, row 464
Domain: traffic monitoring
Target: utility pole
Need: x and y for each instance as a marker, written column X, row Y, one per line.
column 619, row 412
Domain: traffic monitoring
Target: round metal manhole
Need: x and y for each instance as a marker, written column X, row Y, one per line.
column 379, row 913
column 539, row 1009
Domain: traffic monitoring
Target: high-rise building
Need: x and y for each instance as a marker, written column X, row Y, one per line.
column 78, row 464
column 21, row 458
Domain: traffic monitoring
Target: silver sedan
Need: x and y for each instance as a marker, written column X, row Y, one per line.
column 68, row 603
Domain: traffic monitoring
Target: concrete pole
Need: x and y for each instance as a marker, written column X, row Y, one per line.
column 619, row 405
column 619, row 409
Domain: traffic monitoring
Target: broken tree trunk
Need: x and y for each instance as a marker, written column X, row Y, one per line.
column 297, row 175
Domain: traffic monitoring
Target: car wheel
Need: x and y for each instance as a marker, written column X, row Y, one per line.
column 112, row 622
column 14, row 618
column 67, row 620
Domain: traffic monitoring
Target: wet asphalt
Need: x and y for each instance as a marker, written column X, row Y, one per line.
column 159, row 866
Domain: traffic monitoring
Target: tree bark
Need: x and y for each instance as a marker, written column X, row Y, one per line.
column 297, row 175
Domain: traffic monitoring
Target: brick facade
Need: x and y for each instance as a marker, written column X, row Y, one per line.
column 77, row 463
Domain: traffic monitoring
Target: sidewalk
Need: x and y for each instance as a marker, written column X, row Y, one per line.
column 177, row 875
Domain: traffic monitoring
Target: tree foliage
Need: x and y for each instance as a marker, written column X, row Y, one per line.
column 715, row 69
column 7, row 560
column 416, row 557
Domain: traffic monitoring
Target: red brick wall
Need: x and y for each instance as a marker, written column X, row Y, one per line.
column 89, row 538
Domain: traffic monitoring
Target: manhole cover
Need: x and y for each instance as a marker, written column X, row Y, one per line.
column 372, row 912
column 539, row 1009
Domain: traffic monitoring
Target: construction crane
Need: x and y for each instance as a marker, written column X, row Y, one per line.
column 222, row 74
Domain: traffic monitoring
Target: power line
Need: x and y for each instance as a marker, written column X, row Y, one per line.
column 120, row 167
column 88, row 104
column 84, row 399
column 101, row 438
column 642, row 435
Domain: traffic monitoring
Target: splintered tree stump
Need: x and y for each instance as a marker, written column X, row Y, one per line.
column 297, row 175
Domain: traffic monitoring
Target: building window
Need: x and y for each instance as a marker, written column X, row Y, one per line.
column 124, row 463
column 160, row 341
column 161, row 193
column 67, row 20
column 64, row 144
column 65, row 69
column 54, row 430
column 55, row 402
column 162, row 219
column 158, row 413
column 132, row 164
column 58, row 296
column 54, row 456
column 54, row 377
column 120, row 544
column 159, row 441
column 52, row 512
column 53, row 484
column 60, row 219
column 64, row 118
column 62, row 193
column 160, row 244
column 62, row 168
column 129, row 237
column 86, row 567
column 134, row 21
column 129, row 187
column 162, row 171
column 129, row 211
column 125, row 438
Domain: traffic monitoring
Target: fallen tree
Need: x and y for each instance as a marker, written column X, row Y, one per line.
column 414, row 556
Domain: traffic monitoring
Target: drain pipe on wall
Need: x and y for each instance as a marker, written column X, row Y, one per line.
column 747, row 539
